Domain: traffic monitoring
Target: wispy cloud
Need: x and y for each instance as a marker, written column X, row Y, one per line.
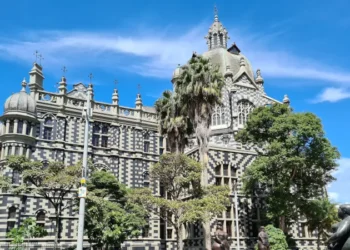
column 332, row 95
column 157, row 55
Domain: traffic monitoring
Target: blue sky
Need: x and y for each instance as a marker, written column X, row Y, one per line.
column 300, row 46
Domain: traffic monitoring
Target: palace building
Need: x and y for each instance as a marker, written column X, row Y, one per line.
column 46, row 126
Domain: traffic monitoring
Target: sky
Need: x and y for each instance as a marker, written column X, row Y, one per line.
column 300, row 46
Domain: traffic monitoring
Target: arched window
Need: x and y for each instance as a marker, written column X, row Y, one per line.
column 48, row 126
column 40, row 218
column 12, row 213
column 244, row 109
column 219, row 116
column 215, row 37
column 221, row 36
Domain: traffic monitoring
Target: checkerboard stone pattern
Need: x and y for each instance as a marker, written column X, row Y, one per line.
column 125, row 157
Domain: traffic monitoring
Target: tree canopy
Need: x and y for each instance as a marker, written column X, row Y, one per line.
column 110, row 217
column 295, row 160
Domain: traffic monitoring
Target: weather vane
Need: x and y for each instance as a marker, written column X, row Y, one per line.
column 64, row 70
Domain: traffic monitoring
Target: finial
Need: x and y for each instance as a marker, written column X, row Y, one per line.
column 90, row 77
column 259, row 78
column 242, row 62
column 36, row 54
column 24, row 85
column 216, row 17
column 286, row 100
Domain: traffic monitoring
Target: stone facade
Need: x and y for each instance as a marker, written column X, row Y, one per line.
column 126, row 142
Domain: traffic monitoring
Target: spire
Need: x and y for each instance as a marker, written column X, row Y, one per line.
column 217, row 35
column 115, row 96
column 24, row 85
column 138, row 102
column 62, row 88
column 286, row 100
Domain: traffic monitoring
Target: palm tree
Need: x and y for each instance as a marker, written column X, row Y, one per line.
column 199, row 91
column 172, row 124
column 321, row 214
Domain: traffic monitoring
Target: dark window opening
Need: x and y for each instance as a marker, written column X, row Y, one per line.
column 162, row 232
column 20, row 127
column 28, row 129
column 96, row 129
column 170, row 233
column 12, row 213
column 10, row 225
column 11, row 126
column 48, row 121
column 95, row 140
column 217, row 181
column 146, row 147
column 146, row 136
column 225, row 170
column 161, row 141
column 9, row 150
column 104, row 130
column 229, row 228
column 47, row 133
column 104, row 142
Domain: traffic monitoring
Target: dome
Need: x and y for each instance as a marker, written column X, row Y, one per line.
column 227, row 60
column 177, row 72
column 20, row 102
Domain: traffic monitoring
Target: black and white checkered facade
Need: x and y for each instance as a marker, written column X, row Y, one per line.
column 126, row 142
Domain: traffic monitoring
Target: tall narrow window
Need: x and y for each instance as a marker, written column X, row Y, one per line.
column 20, row 127
column 12, row 213
column 96, row 135
column 40, row 219
column 9, row 150
column 104, row 141
column 48, row 126
column 15, row 177
column 244, row 109
column 146, row 179
column 221, row 36
column 11, row 127
column 219, row 117
column 215, row 37
column 28, row 128
column 146, row 142
column 10, row 225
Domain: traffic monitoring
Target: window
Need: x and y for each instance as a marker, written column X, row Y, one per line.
column 96, row 129
column 229, row 228
column 221, row 36
column 11, row 127
column 146, row 147
column 12, row 213
column 146, row 136
column 95, row 140
column 162, row 232
column 215, row 37
column 170, row 233
column 48, row 128
column 105, row 130
column 225, row 166
column 161, row 141
column 15, row 177
column 244, row 109
column 10, row 225
column 28, row 129
column 161, row 151
column 20, row 127
column 17, row 150
column 104, row 142
column 40, row 219
column 146, row 179
column 9, row 150
column 219, row 117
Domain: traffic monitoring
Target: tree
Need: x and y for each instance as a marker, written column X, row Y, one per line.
column 52, row 181
column 186, row 201
column 27, row 230
column 110, row 217
column 199, row 89
column 172, row 123
column 295, row 161
column 321, row 214
column 277, row 238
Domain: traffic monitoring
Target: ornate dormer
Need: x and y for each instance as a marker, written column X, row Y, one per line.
column 217, row 35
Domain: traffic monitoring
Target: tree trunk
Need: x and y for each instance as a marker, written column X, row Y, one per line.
column 179, row 240
column 282, row 223
column 57, row 227
column 318, row 239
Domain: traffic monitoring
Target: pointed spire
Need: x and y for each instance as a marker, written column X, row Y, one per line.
column 217, row 35
column 259, row 79
column 24, row 85
column 138, row 102
column 286, row 100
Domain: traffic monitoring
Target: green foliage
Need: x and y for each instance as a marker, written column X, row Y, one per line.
column 53, row 182
column 296, row 161
column 110, row 217
column 27, row 230
column 179, row 176
column 321, row 214
column 277, row 238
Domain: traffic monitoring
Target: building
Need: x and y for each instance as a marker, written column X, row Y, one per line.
column 47, row 126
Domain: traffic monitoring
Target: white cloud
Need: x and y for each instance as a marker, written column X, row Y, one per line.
column 157, row 55
column 338, row 191
column 333, row 95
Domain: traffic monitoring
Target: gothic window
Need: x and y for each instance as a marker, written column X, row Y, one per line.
column 244, row 109
column 11, row 127
column 20, row 127
column 15, row 177
column 221, row 36
column 48, row 126
column 12, row 213
column 146, row 142
column 40, row 219
column 215, row 37
column 219, row 116
column 96, row 135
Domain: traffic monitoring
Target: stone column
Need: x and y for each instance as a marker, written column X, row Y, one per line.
column 21, row 151
column 7, row 126
column 3, row 152
column 24, row 130
column 15, row 128
column 32, row 130
column 27, row 152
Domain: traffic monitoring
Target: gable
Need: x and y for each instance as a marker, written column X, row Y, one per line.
column 79, row 91
column 245, row 81
column 234, row 49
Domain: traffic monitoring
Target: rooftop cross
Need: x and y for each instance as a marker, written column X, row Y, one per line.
column 90, row 77
column 216, row 17
column 40, row 58
column 64, row 70
column 36, row 54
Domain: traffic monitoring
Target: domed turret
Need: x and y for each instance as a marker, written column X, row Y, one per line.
column 20, row 102
column 177, row 73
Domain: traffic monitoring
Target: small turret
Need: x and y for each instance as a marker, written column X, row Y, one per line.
column 286, row 100
column 259, row 80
